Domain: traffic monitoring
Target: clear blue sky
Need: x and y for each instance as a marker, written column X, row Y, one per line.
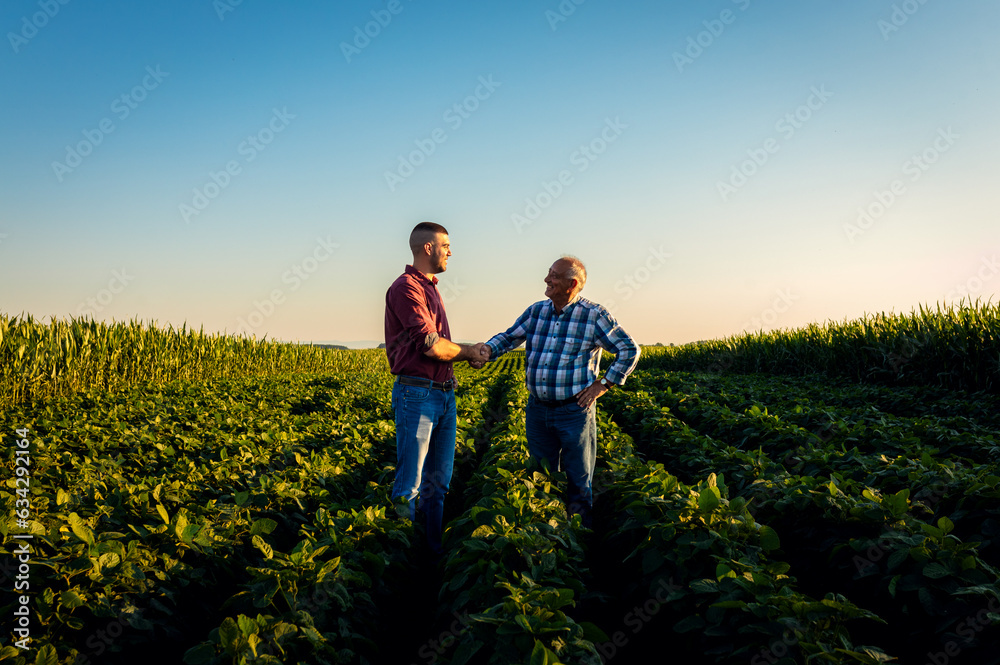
column 719, row 165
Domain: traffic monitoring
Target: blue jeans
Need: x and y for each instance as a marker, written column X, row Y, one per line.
column 566, row 436
column 425, row 453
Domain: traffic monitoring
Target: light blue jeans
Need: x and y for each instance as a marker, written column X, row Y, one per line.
column 425, row 453
column 566, row 436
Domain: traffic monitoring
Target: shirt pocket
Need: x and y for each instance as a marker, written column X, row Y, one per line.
column 571, row 347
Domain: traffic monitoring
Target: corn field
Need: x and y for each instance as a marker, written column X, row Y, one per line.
column 952, row 347
column 42, row 360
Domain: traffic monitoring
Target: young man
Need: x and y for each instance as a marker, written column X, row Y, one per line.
column 418, row 344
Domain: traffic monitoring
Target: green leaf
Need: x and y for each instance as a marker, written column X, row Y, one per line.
column 464, row 652
column 203, row 654
column 203, row 538
column 722, row 570
column 936, row 571
column 263, row 526
column 229, row 636
column 538, row 654
column 283, row 629
column 163, row 513
column 769, row 539
column 254, row 641
column 979, row 589
column 242, row 498
column 593, row 633
column 898, row 502
column 81, row 529
column 109, row 560
column 931, row 531
column 71, row 599
column 482, row 531
column 898, row 558
column 541, row 655
column 62, row 497
column 778, row 568
column 189, row 532
column 262, row 545
column 708, row 499
column 457, row 581
column 182, row 521
column 247, row 625
column 946, row 525
column 313, row 635
column 47, row 656
column 693, row 622
column 139, row 623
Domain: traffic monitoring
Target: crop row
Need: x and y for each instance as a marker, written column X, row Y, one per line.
column 260, row 507
column 153, row 508
column 945, row 461
column 840, row 495
column 785, row 394
column 518, row 571
column 694, row 561
column 513, row 561
column 509, row 363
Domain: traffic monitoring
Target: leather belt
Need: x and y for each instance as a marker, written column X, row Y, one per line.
column 426, row 383
column 555, row 403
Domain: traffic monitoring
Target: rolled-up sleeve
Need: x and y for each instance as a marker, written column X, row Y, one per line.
column 414, row 320
column 410, row 305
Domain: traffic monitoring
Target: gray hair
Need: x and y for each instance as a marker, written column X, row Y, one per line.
column 576, row 270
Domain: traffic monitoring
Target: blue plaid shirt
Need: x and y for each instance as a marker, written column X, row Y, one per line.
column 563, row 351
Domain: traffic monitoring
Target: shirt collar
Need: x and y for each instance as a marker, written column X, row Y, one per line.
column 410, row 270
column 569, row 305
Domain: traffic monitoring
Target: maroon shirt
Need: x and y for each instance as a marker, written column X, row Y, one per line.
column 414, row 315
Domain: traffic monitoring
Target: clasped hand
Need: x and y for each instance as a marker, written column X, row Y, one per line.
column 480, row 355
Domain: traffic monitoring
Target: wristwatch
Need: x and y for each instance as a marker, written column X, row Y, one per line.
column 607, row 384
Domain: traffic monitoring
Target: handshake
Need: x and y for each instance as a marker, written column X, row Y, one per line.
column 476, row 354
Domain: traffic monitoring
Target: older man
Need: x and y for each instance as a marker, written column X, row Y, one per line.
column 418, row 344
column 563, row 339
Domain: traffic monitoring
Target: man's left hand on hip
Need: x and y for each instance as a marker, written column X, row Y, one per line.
column 589, row 395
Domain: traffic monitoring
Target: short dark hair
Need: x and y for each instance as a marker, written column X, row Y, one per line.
column 423, row 233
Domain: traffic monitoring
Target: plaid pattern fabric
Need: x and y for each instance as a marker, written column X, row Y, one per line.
column 563, row 351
